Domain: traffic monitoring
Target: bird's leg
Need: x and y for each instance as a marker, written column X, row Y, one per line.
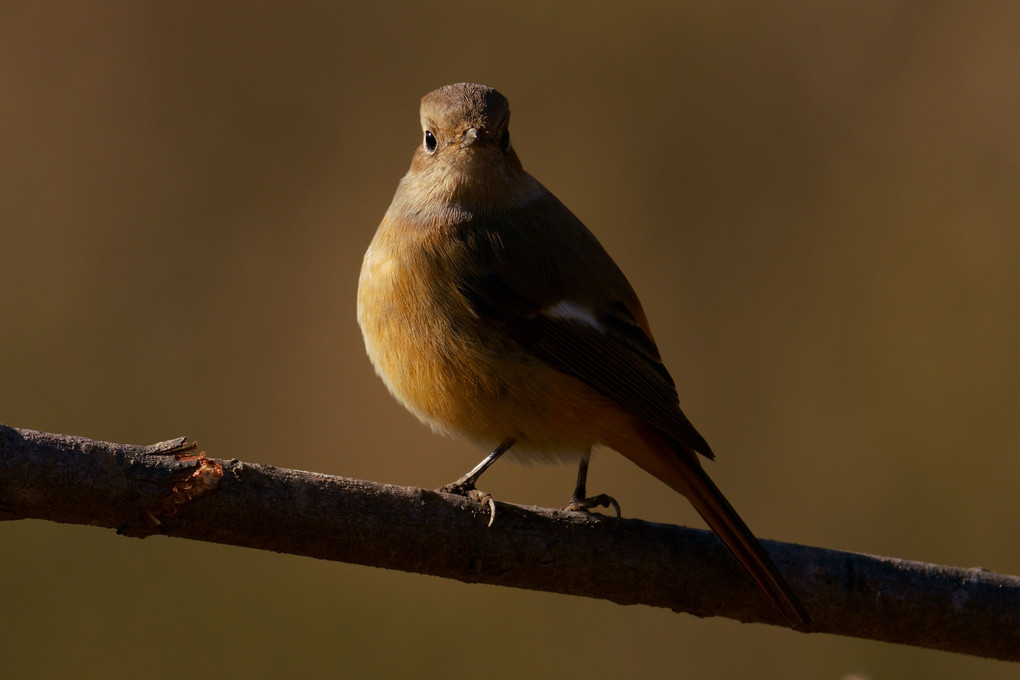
column 465, row 486
column 580, row 500
column 467, row 482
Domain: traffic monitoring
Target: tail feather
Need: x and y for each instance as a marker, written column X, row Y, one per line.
column 742, row 544
column 678, row 466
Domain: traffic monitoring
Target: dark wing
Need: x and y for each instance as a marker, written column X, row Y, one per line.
column 528, row 268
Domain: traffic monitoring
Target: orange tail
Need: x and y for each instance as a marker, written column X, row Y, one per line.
column 678, row 466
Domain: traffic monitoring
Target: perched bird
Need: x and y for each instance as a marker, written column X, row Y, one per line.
column 494, row 315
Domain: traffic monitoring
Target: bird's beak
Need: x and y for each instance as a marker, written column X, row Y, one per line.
column 469, row 137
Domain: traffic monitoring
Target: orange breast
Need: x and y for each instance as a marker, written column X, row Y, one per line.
column 459, row 375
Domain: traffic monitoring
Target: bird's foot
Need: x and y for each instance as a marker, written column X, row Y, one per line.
column 600, row 501
column 468, row 490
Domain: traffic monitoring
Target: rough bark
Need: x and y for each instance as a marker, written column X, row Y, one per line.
column 169, row 488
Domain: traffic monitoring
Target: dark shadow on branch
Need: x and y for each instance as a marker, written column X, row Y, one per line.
column 171, row 489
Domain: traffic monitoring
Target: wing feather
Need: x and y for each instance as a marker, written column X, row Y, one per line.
column 608, row 345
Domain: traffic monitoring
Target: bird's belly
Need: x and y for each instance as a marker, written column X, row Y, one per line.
column 471, row 381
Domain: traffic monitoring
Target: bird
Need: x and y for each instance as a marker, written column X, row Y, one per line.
column 495, row 316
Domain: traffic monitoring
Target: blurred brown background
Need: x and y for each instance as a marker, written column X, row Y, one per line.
column 818, row 204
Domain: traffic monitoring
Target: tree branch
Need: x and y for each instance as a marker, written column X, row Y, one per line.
column 169, row 488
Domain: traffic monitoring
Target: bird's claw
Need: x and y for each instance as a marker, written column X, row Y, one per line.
column 600, row 501
column 469, row 491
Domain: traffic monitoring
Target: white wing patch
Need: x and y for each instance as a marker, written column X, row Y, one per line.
column 565, row 310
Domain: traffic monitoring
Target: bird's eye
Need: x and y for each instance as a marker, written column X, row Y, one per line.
column 505, row 141
column 430, row 141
